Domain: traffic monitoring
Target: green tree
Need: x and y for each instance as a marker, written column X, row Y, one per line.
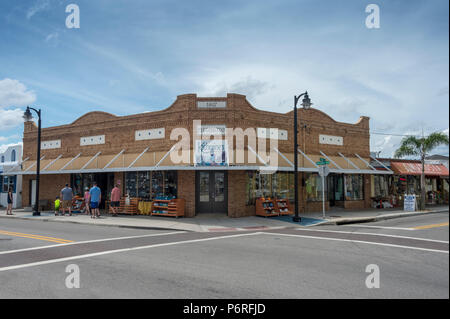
column 421, row 147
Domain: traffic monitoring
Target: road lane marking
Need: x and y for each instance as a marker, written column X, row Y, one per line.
column 372, row 234
column 431, row 226
column 51, row 261
column 358, row 241
column 380, row 227
column 33, row 236
column 88, row 241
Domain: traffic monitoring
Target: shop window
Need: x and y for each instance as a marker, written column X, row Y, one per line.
column 143, row 185
column 131, row 184
column 170, row 183
column 313, row 186
column 8, row 182
column 354, row 187
column 380, row 186
column 157, row 184
column 149, row 185
column 277, row 185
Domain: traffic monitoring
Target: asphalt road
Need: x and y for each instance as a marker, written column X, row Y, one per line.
column 321, row 262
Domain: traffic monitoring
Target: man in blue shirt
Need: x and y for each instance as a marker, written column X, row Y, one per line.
column 95, row 197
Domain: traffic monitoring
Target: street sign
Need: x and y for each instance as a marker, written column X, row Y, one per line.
column 322, row 162
column 324, row 171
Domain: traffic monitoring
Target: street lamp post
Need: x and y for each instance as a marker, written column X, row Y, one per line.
column 306, row 103
column 28, row 117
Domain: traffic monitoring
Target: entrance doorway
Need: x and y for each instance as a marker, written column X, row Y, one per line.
column 211, row 192
column 32, row 190
column 336, row 190
column 105, row 181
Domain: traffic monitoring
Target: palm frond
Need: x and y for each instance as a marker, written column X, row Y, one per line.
column 434, row 140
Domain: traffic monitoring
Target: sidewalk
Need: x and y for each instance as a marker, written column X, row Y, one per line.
column 214, row 222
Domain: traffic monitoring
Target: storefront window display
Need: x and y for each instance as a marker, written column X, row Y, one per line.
column 313, row 185
column 354, row 187
column 277, row 185
column 148, row 185
column 380, row 186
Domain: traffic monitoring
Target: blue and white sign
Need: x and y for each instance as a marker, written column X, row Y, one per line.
column 409, row 203
column 211, row 153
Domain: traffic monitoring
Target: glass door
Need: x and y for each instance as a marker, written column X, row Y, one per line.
column 211, row 192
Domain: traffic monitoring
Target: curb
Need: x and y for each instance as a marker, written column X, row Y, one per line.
column 107, row 225
column 358, row 220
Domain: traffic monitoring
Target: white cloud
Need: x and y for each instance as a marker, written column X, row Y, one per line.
column 38, row 6
column 10, row 119
column 14, row 93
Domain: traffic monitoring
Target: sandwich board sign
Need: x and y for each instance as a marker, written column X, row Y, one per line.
column 409, row 203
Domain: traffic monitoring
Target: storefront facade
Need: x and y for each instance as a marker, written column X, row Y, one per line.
column 406, row 180
column 218, row 154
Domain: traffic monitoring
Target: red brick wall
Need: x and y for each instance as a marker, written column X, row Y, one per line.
column 186, row 190
column 119, row 130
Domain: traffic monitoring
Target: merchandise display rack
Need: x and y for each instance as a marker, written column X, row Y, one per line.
column 168, row 207
column 284, row 207
column 266, row 207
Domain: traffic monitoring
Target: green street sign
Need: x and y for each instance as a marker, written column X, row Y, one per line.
column 323, row 162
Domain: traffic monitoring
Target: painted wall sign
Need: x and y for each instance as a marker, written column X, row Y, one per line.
column 211, row 104
column 331, row 140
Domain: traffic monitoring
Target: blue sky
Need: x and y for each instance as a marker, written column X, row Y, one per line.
column 132, row 56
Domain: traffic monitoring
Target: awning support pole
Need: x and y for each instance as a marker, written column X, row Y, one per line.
column 284, row 157
column 90, row 161
column 139, row 156
column 365, row 162
column 306, row 156
column 350, row 162
column 333, row 162
column 34, row 164
column 257, row 155
column 164, row 157
column 381, row 163
column 115, row 157
column 69, row 162
column 52, row 162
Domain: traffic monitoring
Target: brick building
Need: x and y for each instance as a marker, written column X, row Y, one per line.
column 217, row 174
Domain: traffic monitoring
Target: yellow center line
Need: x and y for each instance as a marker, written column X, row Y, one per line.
column 51, row 239
column 431, row 226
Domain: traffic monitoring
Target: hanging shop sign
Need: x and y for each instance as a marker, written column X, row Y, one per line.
column 211, row 153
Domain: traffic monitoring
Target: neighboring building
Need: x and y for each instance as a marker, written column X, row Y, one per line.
column 140, row 153
column 406, row 180
column 437, row 159
column 10, row 161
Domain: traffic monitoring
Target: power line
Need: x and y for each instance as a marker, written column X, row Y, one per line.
column 395, row 134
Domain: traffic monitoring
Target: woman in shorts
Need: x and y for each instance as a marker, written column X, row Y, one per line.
column 10, row 202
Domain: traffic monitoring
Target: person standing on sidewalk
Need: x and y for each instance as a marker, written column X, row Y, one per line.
column 115, row 199
column 10, row 202
column 86, row 201
column 95, row 196
column 66, row 196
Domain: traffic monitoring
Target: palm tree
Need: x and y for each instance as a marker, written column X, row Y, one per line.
column 421, row 147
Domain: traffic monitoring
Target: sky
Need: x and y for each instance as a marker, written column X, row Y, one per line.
column 134, row 56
